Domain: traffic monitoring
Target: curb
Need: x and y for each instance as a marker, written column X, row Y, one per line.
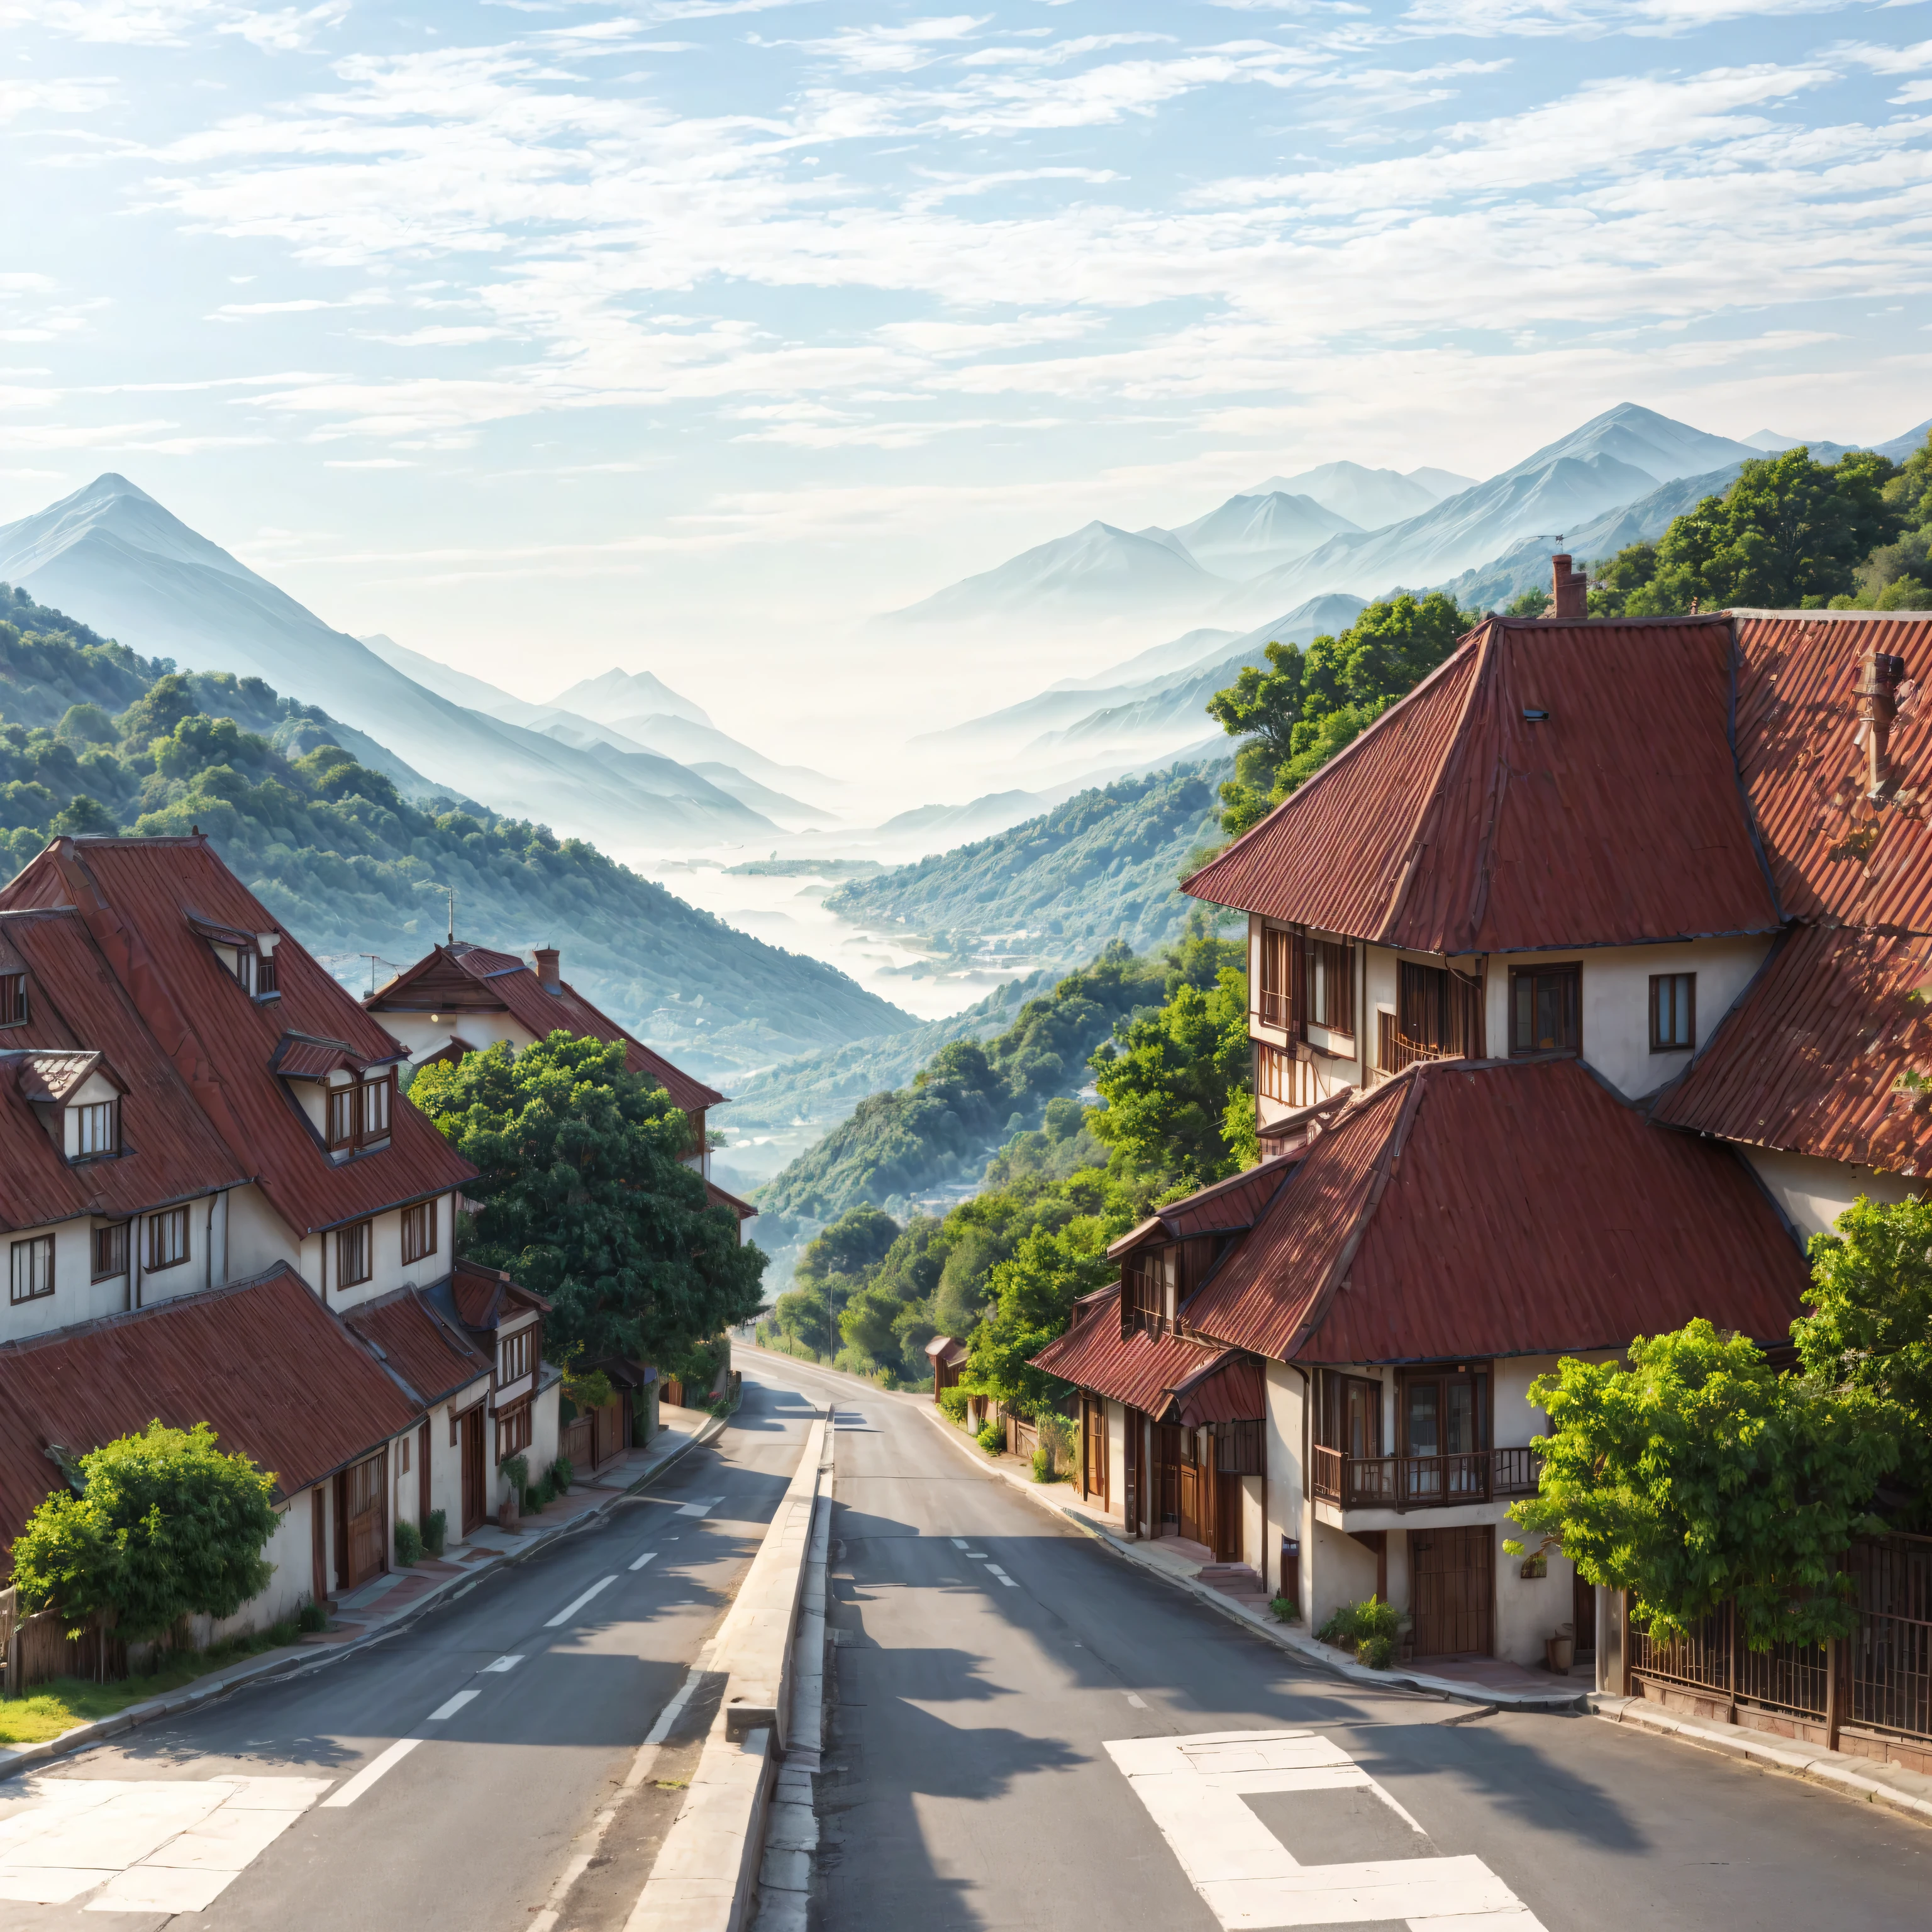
column 1753, row 1747
column 276, row 1669
column 1325, row 1657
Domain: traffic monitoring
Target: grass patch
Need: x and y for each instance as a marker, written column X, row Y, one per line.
column 62, row 1703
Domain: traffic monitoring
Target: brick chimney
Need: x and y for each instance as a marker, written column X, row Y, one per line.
column 1572, row 588
column 548, row 976
column 1878, row 705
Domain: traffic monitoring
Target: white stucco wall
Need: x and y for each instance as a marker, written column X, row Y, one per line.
column 1814, row 1193
column 1287, row 1513
column 291, row 1551
column 258, row 1237
column 427, row 1033
column 75, row 1297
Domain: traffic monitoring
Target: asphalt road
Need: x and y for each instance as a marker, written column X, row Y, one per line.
column 1002, row 1752
column 530, row 1697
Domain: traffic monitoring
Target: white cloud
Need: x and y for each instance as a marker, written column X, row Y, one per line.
column 1591, row 18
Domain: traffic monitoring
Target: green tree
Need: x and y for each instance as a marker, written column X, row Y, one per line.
column 1613, row 580
column 1789, row 534
column 1297, row 714
column 1034, row 1292
column 1870, row 1329
column 1697, row 1473
column 585, row 1198
column 168, row 1526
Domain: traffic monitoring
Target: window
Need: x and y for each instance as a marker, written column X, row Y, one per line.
column 1438, row 1015
column 110, row 1251
column 264, row 975
column 12, row 999
column 1446, row 1414
column 1673, row 1012
column 513, row 1431
column 1331, row 984
column 1350, row 1417
column 1546, row 1004
column 1280, row 1076
column 353, row 1246
column 418, row 1232
column 359, row 1112
column 94, row 1125
column 33, row 1268
column 167, row 1240
column 403, row 1456
column 516, row 1355
column 1281, row 954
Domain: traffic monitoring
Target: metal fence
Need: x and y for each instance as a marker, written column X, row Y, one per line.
column 1877, row 1681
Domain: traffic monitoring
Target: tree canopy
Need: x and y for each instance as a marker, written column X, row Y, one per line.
column 1294, row 715
column 584, row 1197
column 169, row 1526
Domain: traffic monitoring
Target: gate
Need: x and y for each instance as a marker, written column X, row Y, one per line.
column 364, row 1497
column 1455, row 1573
column 473, row 1491
column 607, row 1423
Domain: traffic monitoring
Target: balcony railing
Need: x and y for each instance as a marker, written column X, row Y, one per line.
column 1394, row 1052
column 1424, row 1482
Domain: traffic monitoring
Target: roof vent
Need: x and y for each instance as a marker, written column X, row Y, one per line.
column 1572, row 588
column 1878, row 705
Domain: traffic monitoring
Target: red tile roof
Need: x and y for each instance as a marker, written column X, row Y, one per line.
column 1221, row 1208
column 1139, row 1369
column 1481, row 1208
column 473, row 979
column 169, row 1150
column 1454, row 824
column 944, row 1349
column 483, row 1297
column 1234, row 1390
column 1833, row 854
column 1808, row 1059
column 137, row 898
column 432, row 1356
column 277, row 1376
column 719, row 1197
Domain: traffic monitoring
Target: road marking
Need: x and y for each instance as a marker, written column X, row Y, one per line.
column 509, row 1663
column 370, row 1773
column 1138, row 1703
column 1195, row 1787
column 994, row 1570
column 959, row 1542
column 643, row 1559
column 455, row 1704
column 569, row 1610
column 674, row 1710
column 975, row 1555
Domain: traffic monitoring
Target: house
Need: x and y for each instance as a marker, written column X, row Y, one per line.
column 1581, row 984
column 948, row 1356
column 218, row 1206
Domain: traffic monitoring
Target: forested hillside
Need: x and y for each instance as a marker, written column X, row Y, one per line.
column 1101, row 866
column 99, row 739
column 1001, row 1271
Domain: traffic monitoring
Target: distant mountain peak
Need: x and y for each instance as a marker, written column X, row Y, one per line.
column 618, row 694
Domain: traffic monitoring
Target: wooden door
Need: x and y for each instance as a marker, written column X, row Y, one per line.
column 318, row 1505
column 473, row 1509
column 1193, row 1500
column 1136, row 1485
column 425, row 1499
column 364, row 1498
column 1583, row 1615
column 1167, row 1473
column 1454, row 1574
column 608, row 1431
column 1228, row 1496
column 1094, row 1472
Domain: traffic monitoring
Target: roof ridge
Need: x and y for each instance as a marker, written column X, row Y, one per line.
column 195, row 1298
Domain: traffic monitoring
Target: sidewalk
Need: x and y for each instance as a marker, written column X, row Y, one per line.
column 1908, row 1792
column 389, row 1603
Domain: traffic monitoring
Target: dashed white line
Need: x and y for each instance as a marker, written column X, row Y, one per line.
column 1138, row 1703
column 570, row 1609
column 643, row 1559
column 455, row 1704
column 509, row 1663
column 959, row 1542
column 994, row 1570
column 370, row 1773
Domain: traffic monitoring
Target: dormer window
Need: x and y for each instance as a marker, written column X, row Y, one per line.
column 248, row 958
column 358, row 1112
column 93, row 1129
column 12, row 999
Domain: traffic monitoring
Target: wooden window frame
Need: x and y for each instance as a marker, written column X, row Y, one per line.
column 1331, row 971
column 517, row 1354
column 351, row 1131
column 158, row 1260
column 12, row 999
column 419, row 1231
column 33, row 1248
column 112, row 1241
column 1278, row 1002
column 1658, row 982
column 1442, row 1374
column 267, row 985
column 95, row 1110
column 357, row 1235
column 515, row 1428
column 1571, row 969
column 1332, row 1399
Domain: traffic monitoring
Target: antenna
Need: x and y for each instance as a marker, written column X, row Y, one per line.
column 374, row 959
column 1549, row 536
column 436, row 885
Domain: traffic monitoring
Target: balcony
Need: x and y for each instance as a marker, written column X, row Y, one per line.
column 1395, row 1054
column 1424, row 1482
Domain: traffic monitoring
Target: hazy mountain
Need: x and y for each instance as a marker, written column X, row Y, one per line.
column 1367, row 498
column 1179, row 655
column 1248, row 534
column 1099, row 567
column 114, row 557
column 692, row 745
column 775, row 804
column 941, row 826
column 1562, row 486
column 1901, row 447
column 627, row 694
column 1167, row 540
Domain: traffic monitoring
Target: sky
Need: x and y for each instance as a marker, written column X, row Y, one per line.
column 689, row 336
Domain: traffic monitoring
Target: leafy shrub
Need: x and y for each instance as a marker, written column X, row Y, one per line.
column 1043, row 1470
column 1377, row 1652
column 516, row 1470
column 435, row 1531
column 284, row 1631
column 722, row 1405
column 312, row 1616
column 562, row 1475
column 538, row 1496
column 1286, row 1608
column 1360, row 1627
column 992, row 1437
column 409, row 1544
column 952, row 1403
column 170, row 1526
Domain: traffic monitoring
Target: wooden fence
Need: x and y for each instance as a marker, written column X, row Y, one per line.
column 38, row 1648
column 1869, row 1692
